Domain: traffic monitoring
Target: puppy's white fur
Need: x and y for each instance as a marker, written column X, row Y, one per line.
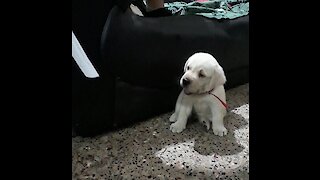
column 204, row 73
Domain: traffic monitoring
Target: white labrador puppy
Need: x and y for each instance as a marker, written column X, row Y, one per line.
column 203, row 92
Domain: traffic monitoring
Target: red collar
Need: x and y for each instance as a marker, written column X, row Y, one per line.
column 210, row 92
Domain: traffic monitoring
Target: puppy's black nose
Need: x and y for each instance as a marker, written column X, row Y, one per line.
column 185, row 82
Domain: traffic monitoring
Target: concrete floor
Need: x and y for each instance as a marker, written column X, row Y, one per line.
column 149, row 150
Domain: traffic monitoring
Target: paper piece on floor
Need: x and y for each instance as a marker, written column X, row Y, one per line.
column 82, row 59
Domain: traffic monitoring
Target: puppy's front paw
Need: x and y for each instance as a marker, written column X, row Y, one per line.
column 220, row 131
column 173, row 118
column 177, row 127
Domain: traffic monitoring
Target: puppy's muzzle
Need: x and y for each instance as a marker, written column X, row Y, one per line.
column 185, row 82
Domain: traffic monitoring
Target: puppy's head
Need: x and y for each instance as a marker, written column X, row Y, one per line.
column 202, row 73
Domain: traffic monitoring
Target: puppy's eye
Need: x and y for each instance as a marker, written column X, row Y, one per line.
column 201, row 75
column 188, row 67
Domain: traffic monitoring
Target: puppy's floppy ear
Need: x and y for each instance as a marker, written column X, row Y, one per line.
column 219, row 77
column 185, row 65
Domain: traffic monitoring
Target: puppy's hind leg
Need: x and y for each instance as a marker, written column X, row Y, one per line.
column 204, row 120
column 203, row 114
column 173, row 117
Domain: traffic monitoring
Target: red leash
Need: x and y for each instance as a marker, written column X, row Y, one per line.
column 210, row 92
column 223, row 103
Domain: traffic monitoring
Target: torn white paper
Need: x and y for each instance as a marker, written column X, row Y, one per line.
column 82, row 59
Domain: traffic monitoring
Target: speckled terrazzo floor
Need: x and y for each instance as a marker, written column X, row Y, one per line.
column 149, row 150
